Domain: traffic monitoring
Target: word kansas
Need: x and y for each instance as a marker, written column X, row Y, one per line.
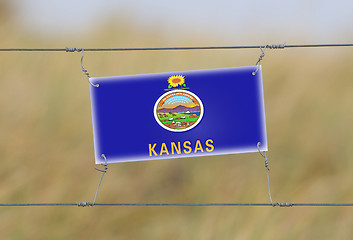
column 180, row 148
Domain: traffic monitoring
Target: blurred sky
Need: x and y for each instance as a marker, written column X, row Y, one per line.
column 238, row 21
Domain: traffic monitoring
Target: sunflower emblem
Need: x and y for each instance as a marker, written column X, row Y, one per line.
column 176, row 81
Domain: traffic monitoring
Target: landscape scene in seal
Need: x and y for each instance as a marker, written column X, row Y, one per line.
column 180, row 111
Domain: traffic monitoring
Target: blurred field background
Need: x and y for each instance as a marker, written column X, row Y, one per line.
column 46, row 143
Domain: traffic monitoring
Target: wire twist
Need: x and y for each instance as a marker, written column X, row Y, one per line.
column 67, row 49
column 84, row 204
column 276, row 46
column 263, row 48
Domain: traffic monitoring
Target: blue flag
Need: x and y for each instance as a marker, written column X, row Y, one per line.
column 178, row 114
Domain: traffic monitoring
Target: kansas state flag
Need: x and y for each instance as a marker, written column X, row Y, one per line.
column 178, row 114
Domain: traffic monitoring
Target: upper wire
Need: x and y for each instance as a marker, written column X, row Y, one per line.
column 271, row 46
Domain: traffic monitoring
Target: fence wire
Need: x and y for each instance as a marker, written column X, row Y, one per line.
column 89, row 204
column 268, row 46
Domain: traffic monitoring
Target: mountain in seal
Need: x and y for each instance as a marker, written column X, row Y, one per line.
column 179, row 109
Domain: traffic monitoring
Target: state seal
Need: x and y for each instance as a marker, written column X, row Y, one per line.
column 178, row 110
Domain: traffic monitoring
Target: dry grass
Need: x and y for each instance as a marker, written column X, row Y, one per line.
column 46, row 148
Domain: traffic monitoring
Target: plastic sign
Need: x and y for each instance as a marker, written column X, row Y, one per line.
column 178, row 114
